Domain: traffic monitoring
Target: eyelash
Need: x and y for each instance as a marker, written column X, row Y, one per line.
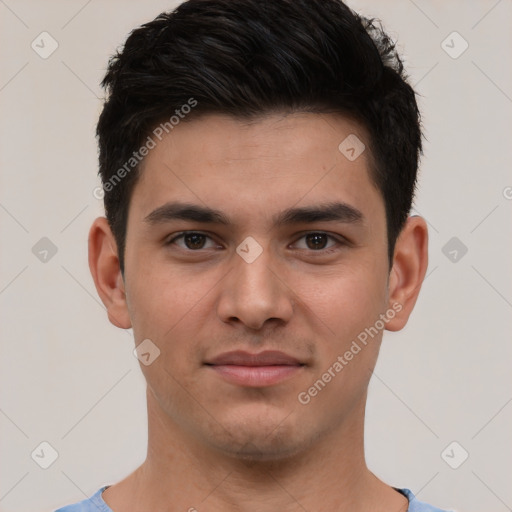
column 329, row 250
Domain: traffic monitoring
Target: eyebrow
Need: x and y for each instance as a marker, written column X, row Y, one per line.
column 333, row 211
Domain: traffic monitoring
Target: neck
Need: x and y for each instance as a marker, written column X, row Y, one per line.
column 182, row 473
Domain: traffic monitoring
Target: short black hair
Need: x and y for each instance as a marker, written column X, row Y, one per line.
column 249, row 58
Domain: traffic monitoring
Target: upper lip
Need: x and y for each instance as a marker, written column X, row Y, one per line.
column 265, row 358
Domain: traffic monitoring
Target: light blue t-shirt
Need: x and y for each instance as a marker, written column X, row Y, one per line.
column 96, row 504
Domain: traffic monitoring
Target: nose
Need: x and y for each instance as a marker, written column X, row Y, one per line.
column 255, row 292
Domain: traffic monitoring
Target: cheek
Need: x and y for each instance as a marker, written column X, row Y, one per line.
column 151, row 300
column 346, row 301
column 348, row 304
column 170, row 306
column 169, row 310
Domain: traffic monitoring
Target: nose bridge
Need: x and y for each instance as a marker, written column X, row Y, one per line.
column 253, row 292
column 252, row 266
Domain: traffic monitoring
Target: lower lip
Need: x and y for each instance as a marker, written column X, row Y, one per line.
column 256, row 376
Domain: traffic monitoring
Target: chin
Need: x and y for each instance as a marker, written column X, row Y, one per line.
column 259, row 437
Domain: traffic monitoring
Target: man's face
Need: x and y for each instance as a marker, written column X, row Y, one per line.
column 306, row 288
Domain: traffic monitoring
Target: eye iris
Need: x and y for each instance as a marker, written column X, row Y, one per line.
column 197, row 240
column 316, row 237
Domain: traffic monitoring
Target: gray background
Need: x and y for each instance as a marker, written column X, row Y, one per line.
column 69, row 377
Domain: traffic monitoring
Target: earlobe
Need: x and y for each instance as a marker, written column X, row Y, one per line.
column 106, row 272
column 410, row 263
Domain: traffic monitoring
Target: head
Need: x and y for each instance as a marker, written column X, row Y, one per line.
column 261, row 123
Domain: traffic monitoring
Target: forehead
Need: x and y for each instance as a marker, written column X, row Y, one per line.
column 253, row 170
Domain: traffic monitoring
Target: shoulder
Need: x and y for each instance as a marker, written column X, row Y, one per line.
column 416, row 505
column 93, row 504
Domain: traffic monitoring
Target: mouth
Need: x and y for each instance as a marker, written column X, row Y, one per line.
column 255, row 370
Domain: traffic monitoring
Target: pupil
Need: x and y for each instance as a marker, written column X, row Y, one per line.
column 316, row 236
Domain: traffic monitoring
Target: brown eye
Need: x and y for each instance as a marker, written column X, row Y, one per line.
column 192, row 241
column 316, row 242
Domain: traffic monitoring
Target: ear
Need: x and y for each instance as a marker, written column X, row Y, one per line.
column 106, row 272
column 410, row 263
